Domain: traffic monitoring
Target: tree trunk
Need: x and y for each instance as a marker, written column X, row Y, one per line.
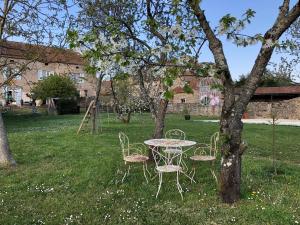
column 95, row 109
column 125, row 118
column 6, row 158
column 160, row 119
column 159, row 123
column 231, row 151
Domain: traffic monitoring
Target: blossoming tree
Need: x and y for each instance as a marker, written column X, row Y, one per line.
column 152, row 41
column 156, row 40
column 35, row 22
column 234, row 107
column 126, row 97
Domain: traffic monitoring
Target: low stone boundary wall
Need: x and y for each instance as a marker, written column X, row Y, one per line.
column 285, row 109
column 194, row 109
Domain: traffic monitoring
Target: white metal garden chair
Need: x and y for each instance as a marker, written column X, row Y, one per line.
column 175, row 134
column 164, row 164
column 206, row 152
column 133, row 153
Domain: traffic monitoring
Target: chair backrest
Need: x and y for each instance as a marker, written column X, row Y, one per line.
column 161, row 159
column 214, row 143
column 175, row 134
column 124, row 142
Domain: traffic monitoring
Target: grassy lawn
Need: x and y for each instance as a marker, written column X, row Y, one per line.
column 64, row 178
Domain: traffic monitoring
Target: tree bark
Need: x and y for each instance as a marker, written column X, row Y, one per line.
column 6, row 158
column 231, row 161
column 160, row 119
column 125, row 118
column 95, row 109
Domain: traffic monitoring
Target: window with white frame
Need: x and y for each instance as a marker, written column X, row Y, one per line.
column 42, row 74
column 7, row 72
column 77, row 77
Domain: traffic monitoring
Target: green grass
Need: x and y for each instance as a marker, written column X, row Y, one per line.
column 64, row 178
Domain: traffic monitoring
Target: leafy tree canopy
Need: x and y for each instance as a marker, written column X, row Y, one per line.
column 269, row 79
column 55, row 86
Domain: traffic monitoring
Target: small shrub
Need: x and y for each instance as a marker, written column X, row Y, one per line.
column 67, row 106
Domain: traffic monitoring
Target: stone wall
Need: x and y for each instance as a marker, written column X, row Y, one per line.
column 285, row 109
column 194, row 109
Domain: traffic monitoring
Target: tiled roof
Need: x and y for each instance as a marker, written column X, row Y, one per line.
column 193, row 84
column 278, row 90
column 45, row 54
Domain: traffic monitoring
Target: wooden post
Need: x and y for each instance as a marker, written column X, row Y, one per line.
column 86, row 114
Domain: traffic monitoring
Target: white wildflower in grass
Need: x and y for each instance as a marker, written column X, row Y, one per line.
column 73, row 219
column 106, row 217
column 40, row 221
column 41, row 188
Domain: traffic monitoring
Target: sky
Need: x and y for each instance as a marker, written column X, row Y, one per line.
column 241, row 59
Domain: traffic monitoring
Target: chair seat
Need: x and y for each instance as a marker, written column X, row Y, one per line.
column 173, row 150
column 168, row 168
column 202, row 158
column 136, row 158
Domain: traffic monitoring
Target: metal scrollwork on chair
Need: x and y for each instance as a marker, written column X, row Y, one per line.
column 176, row 134
column 165, row 164
column 206, row 153
column 133, row 153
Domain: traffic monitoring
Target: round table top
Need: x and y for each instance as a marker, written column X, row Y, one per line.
column 165, row 142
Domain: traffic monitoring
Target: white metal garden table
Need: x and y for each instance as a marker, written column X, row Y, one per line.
column 171, row 143
column 166, row 142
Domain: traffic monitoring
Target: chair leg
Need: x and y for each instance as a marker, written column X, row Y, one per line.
column 178, row 185
column 193, row 172
column 144, row 170
column 126, row 174
column 184, row 166
column 160, row 182
column 146, row 167
column 213, row 172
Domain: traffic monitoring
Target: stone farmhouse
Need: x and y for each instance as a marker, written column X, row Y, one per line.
column 284, row 102
column 33, row 63
column 39, row 61
column 206, row 99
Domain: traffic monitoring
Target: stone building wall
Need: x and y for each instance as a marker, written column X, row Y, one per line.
column 194, row 109
column 24, row 83
column 285, row 109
